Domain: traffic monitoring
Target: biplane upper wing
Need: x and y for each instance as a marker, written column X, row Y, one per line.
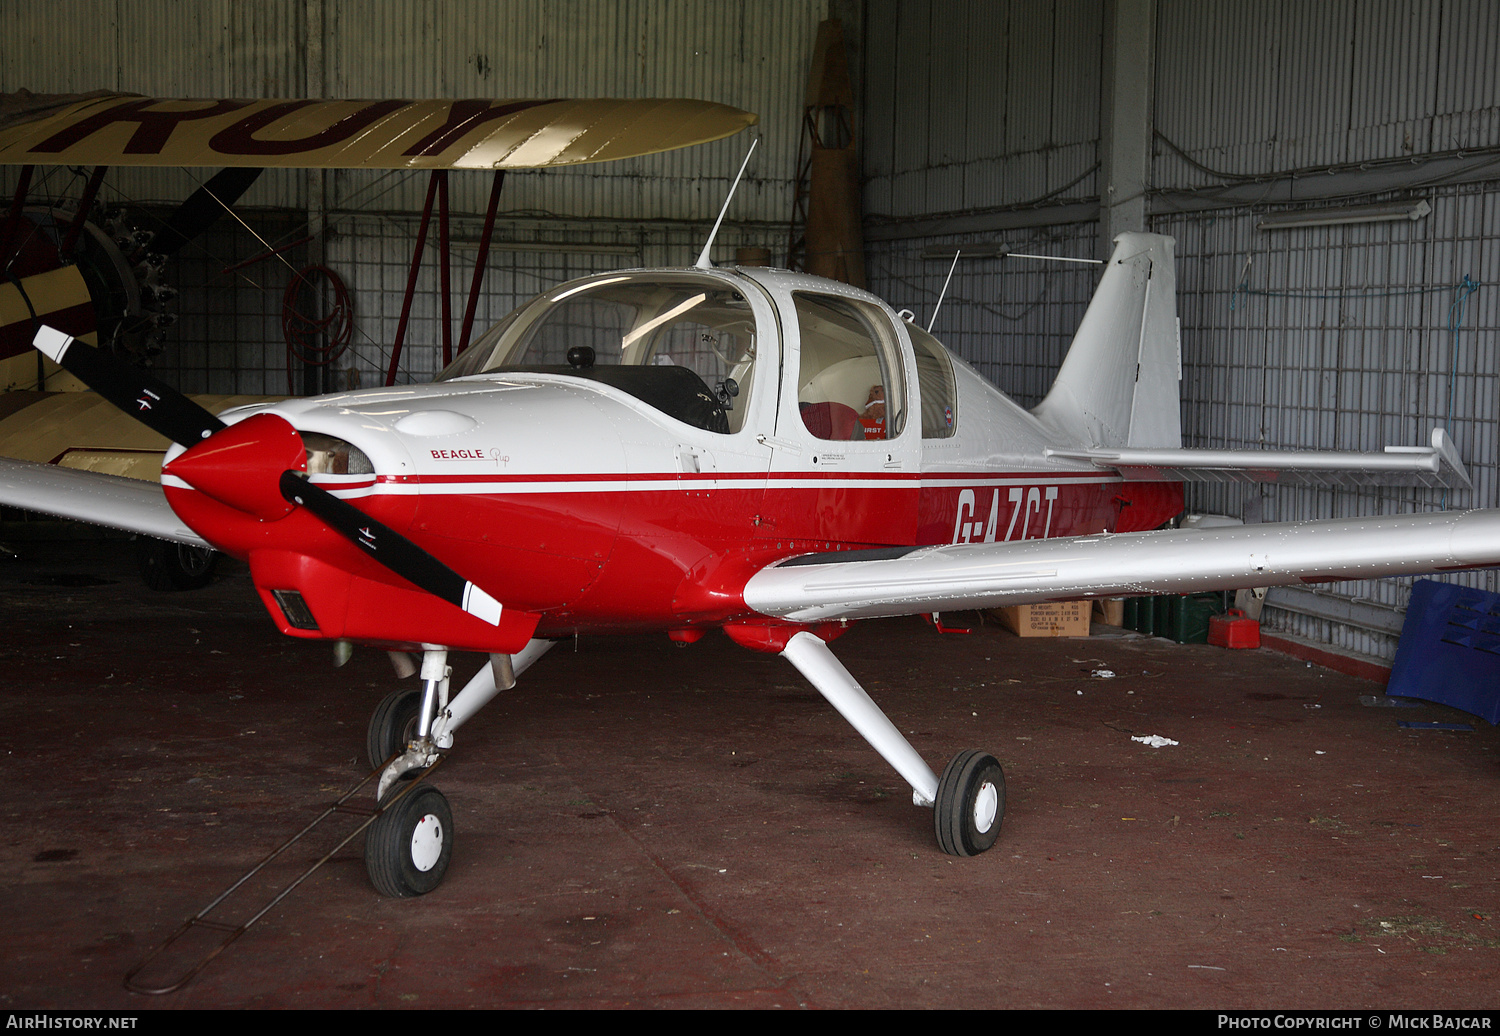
column 128, row 504
column 128, row 130
column 1434, row 466
column 914, row 580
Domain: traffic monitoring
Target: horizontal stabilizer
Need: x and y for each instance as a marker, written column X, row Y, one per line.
column 128, row 504
column 1437, row 466
column 819, row 587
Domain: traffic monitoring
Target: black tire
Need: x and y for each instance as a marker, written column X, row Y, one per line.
column 970, row 804
column 408, row 848
column 175, row 566
column 393, row 725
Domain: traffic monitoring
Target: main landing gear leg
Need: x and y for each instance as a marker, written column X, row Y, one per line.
column 968, row 802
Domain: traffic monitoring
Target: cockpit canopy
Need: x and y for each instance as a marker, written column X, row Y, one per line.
column 685, row 345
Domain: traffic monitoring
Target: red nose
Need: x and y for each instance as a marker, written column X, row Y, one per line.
column 242, row 465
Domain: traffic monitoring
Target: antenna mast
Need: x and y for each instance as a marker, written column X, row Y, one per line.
column 703, row 262
column 944, row 293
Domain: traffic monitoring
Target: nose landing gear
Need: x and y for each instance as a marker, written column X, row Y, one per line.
column 409, row 845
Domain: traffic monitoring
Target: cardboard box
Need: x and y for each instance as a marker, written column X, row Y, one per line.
column 1110, row 610
column 1054, row 619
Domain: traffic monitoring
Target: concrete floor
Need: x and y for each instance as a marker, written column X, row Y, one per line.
column 640, row 824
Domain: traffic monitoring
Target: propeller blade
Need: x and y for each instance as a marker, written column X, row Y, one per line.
column 203, row 208
column 391, row 549
column 156, row 405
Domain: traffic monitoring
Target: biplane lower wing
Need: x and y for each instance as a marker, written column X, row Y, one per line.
column 915, row 580
column 127, row 504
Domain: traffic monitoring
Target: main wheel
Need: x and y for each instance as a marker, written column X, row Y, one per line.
column 407, row 849
column 970, row 804
column 393, row 725
column 174, row 566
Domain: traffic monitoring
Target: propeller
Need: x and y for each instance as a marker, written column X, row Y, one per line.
column 230, row 463
column 203, row 207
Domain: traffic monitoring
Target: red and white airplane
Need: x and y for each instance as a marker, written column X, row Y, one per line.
column 752, row 450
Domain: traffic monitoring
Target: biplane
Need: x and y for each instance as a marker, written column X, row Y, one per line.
column 102, row 272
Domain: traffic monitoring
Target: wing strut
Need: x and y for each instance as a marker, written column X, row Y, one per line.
column 437, row 190
column 825, row 672
column 968, row 801
column 479, row 262
column 411, row 277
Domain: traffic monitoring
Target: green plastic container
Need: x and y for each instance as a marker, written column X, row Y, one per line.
column 1183, row 618
column 1188, row 615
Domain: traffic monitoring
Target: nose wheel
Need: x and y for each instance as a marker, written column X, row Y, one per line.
column 970, row 804
column 393, row 724
column 408, row 848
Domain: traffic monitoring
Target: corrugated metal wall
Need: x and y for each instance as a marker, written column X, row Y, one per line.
column 1345, row 337
column 750, row 55
column 970, row 106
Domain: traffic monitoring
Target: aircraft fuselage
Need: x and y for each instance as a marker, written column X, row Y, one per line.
column 573, row 496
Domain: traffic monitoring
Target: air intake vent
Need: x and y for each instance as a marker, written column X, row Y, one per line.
column 297, row 613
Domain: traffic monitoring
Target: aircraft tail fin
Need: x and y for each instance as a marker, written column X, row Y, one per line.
column 1118, row 383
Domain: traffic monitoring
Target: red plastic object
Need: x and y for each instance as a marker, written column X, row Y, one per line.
column 1233, row 630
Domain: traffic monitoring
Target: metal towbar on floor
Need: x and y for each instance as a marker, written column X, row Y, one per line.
column 200, row 920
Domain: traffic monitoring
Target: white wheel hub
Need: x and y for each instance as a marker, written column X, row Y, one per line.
column 427, row 843
column 986, row 806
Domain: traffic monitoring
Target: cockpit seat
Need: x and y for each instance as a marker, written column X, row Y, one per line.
column 833, row 421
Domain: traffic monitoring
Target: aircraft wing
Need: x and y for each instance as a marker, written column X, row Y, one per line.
column 125, row 129
column 915, row 580
column 1434, row 466
column 129, row 504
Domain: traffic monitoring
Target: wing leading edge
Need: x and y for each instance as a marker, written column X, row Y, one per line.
column 819, row 587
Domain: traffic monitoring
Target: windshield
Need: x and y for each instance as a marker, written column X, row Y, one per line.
column 683, row 345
